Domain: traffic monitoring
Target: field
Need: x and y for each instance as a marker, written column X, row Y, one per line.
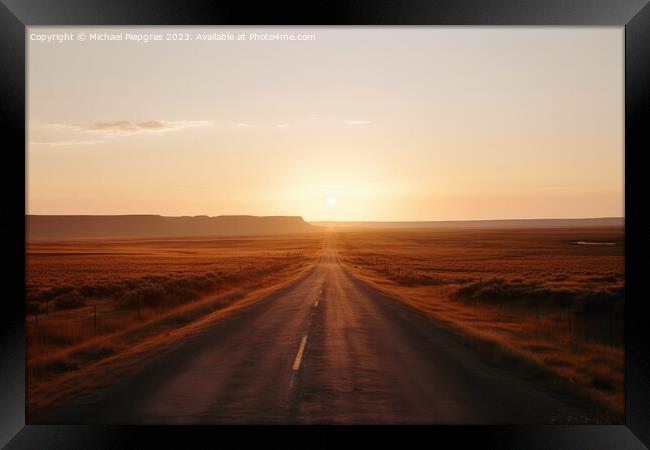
column 547, row 301
column 94, row 302
column 551, row 297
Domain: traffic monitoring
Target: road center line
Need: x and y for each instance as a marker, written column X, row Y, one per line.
column 296, row 362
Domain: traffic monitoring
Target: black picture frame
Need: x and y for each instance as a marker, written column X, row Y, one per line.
column 15, row 15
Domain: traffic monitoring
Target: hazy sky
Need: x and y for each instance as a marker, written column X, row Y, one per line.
column 392, row 123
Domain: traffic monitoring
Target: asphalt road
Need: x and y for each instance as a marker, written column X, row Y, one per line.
column 328, row 349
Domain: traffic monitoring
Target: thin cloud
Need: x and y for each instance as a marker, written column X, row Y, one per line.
column 128, row 128
column 66, row 143
column 297, row 123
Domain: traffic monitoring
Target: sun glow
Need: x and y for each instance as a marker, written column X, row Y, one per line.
column 330, row 200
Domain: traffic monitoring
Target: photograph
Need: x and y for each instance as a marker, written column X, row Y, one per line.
column 325, row 225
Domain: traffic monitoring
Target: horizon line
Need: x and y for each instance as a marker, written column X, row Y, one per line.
column 329, row 221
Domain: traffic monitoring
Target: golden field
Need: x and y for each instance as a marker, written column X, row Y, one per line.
column 551, row 297
column 93, row 303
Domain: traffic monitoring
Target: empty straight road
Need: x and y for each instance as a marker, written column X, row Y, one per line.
column 328, row 349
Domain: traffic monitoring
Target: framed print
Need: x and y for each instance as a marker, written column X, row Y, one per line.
column 389, row 221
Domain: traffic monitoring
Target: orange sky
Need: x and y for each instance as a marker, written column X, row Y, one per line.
column 392, row 123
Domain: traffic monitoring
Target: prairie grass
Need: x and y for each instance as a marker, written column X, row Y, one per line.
column 96, row 300
column 533, row 293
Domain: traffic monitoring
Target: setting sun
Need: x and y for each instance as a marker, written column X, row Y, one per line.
column 330, row 200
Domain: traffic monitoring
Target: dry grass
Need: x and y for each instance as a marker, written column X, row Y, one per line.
column 534, row 293
column 94, row 301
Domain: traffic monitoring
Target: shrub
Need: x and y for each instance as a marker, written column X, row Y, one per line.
column 144, row 296
column 602, row 302
column 69, row 300
column 584, row 302
column 497, row 290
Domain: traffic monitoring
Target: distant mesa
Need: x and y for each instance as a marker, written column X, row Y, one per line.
column 149, row 226
column 154, row 226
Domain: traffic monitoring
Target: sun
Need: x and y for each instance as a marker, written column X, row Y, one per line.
column 330, row 200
